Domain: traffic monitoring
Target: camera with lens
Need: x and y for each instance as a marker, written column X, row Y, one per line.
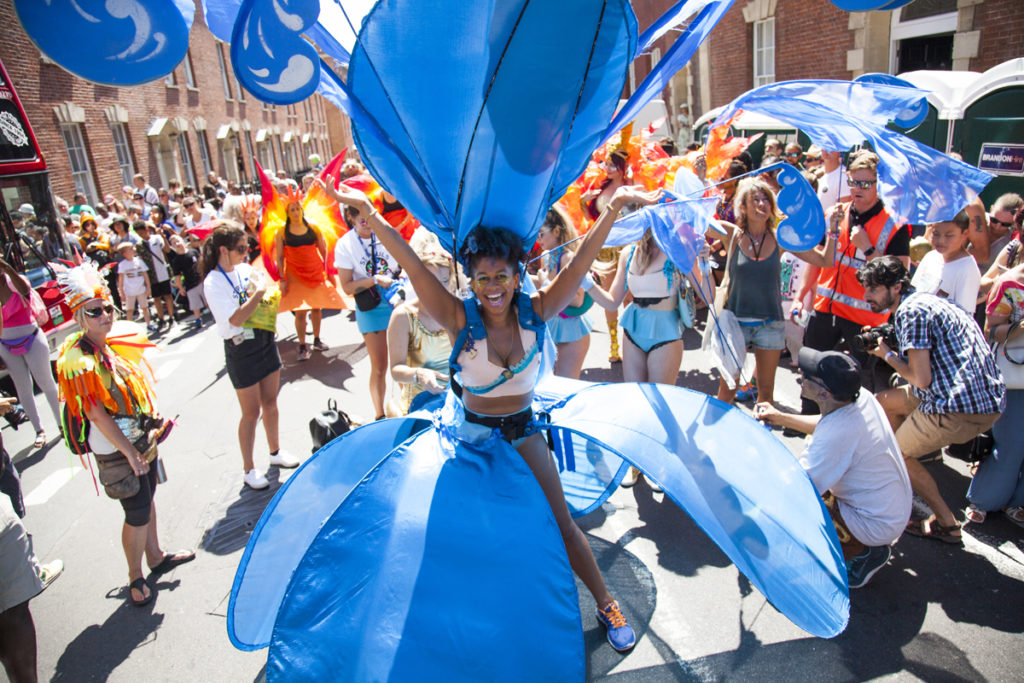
column 16, row 415
column 868, row 339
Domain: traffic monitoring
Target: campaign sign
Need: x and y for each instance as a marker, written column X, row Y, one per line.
column 1002, row 159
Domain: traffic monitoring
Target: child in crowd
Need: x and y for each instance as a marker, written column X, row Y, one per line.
column 949, row 271
column 133, row 282
column 184, row 263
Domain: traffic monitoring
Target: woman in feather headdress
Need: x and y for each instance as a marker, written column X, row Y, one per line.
column 104, row 388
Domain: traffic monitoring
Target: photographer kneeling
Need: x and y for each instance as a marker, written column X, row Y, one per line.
column 852, row 458
column 955, row 390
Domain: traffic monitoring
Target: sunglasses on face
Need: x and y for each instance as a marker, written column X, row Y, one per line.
column 240, row 248
column 97, row 312
column 861, row 184
column 995, row 221
column 501, row 279
column 793, row 155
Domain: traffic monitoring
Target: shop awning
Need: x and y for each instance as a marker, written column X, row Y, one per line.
column 261, row 135
column 224, row 131
column 156, row 128
column 287, row 137
column 305, row 138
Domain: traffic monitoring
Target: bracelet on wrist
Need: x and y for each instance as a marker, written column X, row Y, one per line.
column 890, row 355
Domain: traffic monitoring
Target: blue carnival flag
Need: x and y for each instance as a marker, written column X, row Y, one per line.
column 918, row 183
column 908, row 118
column 677, row 56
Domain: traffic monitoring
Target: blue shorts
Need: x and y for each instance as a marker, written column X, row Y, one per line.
column 767, row 335
column 376, row 319
column 649, row 329
column 570, row 329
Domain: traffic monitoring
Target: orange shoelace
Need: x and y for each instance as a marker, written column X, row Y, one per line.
column 614, row 615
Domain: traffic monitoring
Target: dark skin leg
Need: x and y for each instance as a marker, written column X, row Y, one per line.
column 18, row 644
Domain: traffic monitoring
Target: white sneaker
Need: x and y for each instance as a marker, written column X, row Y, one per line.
column 50, row 571
column 630, row 479
column 284, row 459
column 254, row 479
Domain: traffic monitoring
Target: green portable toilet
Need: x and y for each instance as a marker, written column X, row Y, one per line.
column 991, row 132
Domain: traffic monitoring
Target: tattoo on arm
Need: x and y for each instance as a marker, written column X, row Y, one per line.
column 978, row 227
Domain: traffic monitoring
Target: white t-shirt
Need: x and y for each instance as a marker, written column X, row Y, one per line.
column 959, row 279
column 853, row 453
column 156, row 248
column 205, row 215
column 831, row 186
column 225, row 294
column 133, row 271
column 353, row 253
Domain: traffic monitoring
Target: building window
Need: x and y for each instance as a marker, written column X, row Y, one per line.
column 239, row 91
column 124, row 152
column 78, row 157
column 248, row 148
column 188, row 168
column 170, row 80
column 204, row 151
column 921, row 36
column 223, row 71
column 764, row 52
column 279, row 158
column 190, row 78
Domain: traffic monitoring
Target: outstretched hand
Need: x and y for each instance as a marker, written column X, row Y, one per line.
column 635, row 194
column 341, row 193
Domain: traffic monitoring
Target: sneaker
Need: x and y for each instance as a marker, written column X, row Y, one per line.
column 860, row 569
column 283, row 459
column 632, row 474
column 304, row 352
column 196, row 324
column 747, row 393
column 49, row 572
column 620, row 633
column 254, row 479
column 319, row 345
column 152, row 328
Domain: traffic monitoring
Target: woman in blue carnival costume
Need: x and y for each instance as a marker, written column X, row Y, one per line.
column 570, row 328
column 497, row 373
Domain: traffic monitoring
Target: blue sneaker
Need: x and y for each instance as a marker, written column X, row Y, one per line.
column 747, row 393
column 620, row 633
column 861, row 568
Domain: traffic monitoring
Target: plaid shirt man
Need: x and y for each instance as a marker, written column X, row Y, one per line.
column 965, row 378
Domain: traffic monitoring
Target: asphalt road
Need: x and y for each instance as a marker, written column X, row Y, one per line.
column 936, row 613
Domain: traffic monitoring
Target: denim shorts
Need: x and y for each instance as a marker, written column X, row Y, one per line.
column 767, row 335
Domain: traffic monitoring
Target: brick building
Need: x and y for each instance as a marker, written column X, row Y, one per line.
column 765, row 41
column 95, row 137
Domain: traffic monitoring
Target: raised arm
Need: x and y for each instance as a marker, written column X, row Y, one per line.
column 559, row 293
column 444, row 306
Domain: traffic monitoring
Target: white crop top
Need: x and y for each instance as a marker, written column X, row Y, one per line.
column 482, row 377
column 656, row 284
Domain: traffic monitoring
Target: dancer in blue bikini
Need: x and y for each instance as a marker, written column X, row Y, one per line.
column 497, row 371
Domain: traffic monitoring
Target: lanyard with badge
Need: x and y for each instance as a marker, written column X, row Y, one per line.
column 239, row 292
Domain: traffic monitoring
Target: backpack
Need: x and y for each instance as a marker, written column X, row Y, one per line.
column 328, row 425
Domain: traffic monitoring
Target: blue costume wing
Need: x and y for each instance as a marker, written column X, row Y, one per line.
column 737, row 481
column 499, row 116
column 416, row 574
column 291, row 521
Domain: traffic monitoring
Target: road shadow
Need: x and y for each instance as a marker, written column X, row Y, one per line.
column 331, row 368
column 236, row 517
column 98, row 650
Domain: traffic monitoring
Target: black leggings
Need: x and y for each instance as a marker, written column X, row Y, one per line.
column 136, row 508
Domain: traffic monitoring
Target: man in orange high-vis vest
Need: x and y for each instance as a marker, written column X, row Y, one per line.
column 866, row 232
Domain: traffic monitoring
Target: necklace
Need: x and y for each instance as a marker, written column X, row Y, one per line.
column 505, row 358
column 756, row 248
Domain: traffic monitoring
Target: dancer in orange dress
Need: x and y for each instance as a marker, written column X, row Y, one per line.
column 301, row 257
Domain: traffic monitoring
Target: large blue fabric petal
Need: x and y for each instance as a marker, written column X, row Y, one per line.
column 918, row 183
column 737, row 481
column 909, row 117
column 121, row 43
column 678, row 227
column 499, row 116
column 438, row 566
column 291, row 521
column 804, row 224
column 673, row 60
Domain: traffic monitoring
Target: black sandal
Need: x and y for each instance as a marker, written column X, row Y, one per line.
column 140, row 585
column 172, row 560
column 930, row 528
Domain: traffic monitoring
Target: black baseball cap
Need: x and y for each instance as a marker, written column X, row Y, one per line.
column 838, row 372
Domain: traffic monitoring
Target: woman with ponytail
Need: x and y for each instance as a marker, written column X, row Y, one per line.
column 233, row 293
